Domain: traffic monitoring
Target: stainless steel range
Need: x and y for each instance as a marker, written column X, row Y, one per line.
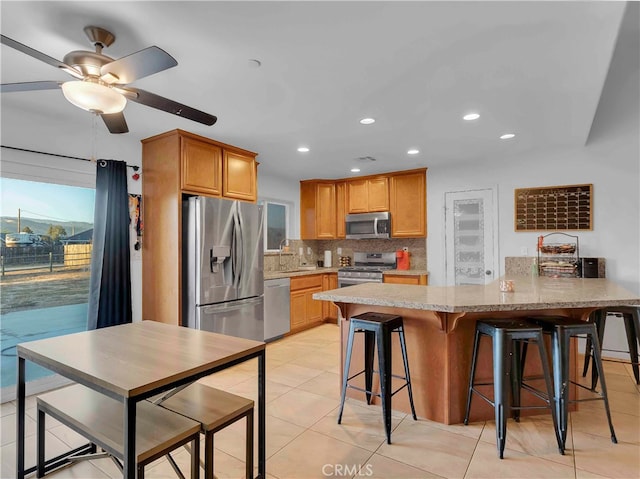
column 368, row 268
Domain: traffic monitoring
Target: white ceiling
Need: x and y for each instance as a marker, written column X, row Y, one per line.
column 532, row 68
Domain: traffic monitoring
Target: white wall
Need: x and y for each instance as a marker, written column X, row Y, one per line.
column 610, row 161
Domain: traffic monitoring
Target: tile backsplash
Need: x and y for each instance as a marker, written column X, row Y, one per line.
column 291, row 260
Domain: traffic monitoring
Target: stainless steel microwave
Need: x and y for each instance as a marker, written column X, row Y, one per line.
column 368, row 225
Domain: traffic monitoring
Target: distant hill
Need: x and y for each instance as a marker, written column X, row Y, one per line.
column 9, row 224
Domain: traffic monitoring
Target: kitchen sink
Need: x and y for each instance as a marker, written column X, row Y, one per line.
column 306, row 268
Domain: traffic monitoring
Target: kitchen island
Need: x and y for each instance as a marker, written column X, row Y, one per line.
column 439, row 326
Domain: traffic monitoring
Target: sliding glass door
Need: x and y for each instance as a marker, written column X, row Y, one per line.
column 46, row 232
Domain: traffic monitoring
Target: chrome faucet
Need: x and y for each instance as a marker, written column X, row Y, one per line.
column 284, row 241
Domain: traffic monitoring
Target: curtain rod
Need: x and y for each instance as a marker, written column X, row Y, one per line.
column 133, row 167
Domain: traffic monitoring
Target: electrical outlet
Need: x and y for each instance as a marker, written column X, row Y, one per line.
column 524, row 251
column 301, row 251
column 339, row 251
column 309, row 250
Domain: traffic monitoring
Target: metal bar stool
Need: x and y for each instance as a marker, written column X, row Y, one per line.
column 377, row 329
column 507, row 337
column 631, row 317
column 562, row 330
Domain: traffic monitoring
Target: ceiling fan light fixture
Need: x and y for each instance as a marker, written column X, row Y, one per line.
column 94, row 97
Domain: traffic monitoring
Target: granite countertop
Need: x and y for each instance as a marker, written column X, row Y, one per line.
column 290, row 274
column 530, row 293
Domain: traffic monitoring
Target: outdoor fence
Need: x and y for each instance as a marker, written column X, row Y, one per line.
column 57, row 257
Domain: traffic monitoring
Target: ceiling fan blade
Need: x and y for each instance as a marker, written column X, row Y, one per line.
column 170, row 106
column 40, row 56
column 138, row 65
column 30, row 86
column 115, row 122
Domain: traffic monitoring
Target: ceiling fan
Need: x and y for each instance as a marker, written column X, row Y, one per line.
column 101, row 83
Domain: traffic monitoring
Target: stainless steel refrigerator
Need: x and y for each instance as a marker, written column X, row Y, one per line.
column 223, row 279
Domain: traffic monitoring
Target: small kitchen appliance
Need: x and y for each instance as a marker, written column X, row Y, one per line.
column 368, row 225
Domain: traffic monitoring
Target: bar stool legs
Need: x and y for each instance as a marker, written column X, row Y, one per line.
column 377, row 329
column 507, row 336
column 562, row 330
column 631, row 318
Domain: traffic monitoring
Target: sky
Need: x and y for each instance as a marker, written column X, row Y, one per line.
column 46, row 201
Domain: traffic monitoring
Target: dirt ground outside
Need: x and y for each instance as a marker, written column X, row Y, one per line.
column 33, row 289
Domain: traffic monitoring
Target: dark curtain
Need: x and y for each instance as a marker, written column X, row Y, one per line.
column 110, row 286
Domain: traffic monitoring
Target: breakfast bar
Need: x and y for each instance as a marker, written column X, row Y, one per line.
column 439, row 327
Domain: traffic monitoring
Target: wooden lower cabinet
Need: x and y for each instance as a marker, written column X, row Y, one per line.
column 420, row 279
column 329, row 310
column 304, row 310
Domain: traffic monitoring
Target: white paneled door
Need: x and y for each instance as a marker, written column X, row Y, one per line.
column 471, row 237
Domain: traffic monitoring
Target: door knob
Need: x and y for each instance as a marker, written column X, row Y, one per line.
column 488, row 272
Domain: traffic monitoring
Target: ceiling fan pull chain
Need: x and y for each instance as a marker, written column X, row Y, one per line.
column 94, row 137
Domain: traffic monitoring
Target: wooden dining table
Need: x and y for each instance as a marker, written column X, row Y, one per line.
column 133, row 362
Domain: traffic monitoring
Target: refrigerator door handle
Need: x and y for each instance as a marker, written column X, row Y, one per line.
column 236, row 235
column 240, row 244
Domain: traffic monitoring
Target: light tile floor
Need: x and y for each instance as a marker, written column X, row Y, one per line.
column 304, row 440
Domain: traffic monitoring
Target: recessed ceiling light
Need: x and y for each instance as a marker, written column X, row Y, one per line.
column 471, row 116
column 367, row 121
column 413, row 151
column 303, row 149
column 507, row 136
column 355, row 170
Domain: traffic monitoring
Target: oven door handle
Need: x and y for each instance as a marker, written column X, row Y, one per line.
column 352, row 281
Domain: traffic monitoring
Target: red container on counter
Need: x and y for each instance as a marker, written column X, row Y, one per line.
column 402, row 259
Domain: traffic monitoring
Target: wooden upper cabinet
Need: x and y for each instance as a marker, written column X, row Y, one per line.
column 378, row 193
column 408, row 204
column 201, row 167
column 341, row 209
column 307, row 210
column 325, row 203
column 239, row 176
column 317, row 210
column 326, row 211
column 357, row 196
column 366, row 195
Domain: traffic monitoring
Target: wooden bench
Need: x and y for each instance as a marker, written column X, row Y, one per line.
column 214, row 410
column 99, row 418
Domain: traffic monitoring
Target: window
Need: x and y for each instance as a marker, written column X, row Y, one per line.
column 276, row 223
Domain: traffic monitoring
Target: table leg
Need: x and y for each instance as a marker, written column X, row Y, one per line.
column 129, row 468
column 20, row 392
column 262, row 453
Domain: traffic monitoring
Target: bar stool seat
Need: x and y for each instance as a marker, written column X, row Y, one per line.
column 507, row 337
column 214, row 410
column 377, row 329
column 631, row 318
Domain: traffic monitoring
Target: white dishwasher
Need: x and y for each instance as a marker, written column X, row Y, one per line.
column 276, row 308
